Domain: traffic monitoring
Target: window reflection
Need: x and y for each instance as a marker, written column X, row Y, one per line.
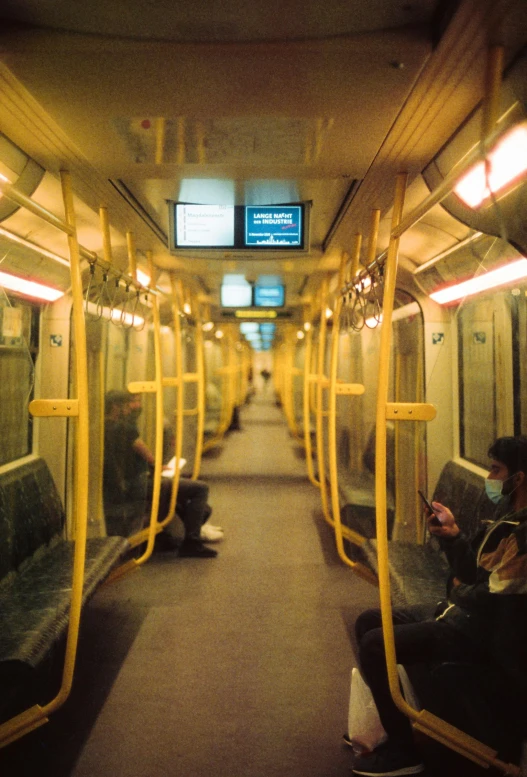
column 18, row 347
column 487, row 370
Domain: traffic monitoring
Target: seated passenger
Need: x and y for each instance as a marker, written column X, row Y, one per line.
column 129, row 461
column 483, row 621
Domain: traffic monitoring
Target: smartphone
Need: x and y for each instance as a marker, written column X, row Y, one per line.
column 435, row 520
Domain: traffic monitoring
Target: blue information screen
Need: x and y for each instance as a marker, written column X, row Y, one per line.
column 269, row 296
column 277, row 225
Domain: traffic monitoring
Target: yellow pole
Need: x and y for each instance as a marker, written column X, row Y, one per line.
column 180, row 388
column 81, row 452
column 390, row 273
column 308, row 355
column 321, row 377
column 340, row 530
column 105, row 228
column 200, row 368
column 158, row 450
column 132, row 255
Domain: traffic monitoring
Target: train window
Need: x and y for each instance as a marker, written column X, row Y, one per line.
column 19, row 331
column 486, row 372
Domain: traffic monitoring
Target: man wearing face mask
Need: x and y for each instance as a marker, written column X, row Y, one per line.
column 483, row 621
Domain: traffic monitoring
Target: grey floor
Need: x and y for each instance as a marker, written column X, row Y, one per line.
column 237, row 665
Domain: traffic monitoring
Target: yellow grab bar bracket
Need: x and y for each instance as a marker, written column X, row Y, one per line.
column 54, row 408
column 349, row 389
column 410, row 411
column 142, row 387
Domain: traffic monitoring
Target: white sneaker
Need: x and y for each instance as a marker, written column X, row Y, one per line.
column 209, row 534
column 214, row 528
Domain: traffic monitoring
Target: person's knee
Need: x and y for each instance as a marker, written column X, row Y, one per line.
column 371, row 649
column 367, row 620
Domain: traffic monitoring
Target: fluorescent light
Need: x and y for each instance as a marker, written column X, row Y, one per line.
column 506, row 274
column 505, row 163
column 29, row 288
column 142, row 277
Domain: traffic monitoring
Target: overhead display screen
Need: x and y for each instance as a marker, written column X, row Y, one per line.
column 204, row 226
column 238, row 227
column 269, row 296
column 275, row 226
column 236, row 296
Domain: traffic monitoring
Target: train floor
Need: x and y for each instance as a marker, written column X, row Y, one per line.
column 237, row 665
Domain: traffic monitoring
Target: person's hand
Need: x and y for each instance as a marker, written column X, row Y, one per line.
column 447, row 526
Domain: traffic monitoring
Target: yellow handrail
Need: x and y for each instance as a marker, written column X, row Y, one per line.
column 36, row 716
column 200, row 369
column 321, row 383
column 351, row 389
column 306, row 405
column 148, row 535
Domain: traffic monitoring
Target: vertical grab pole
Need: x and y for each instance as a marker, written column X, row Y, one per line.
column 158, row 450
column 321, row 361
column 180, row 387
column 81, row 452
column 332, row 430
column 306, row 404
column 200, row 386
column 390, row 274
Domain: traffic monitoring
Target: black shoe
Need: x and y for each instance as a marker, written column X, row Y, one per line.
column 164, row 543
column 196, row 549
column 390, row 759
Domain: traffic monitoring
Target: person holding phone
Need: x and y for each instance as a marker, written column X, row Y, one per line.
column 482, row 621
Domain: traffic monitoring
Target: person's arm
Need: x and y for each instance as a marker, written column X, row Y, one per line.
column 142, row 449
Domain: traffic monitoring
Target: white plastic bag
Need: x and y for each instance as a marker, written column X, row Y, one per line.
column 365, row 729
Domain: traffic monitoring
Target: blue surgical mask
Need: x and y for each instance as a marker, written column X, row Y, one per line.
column 494, row 490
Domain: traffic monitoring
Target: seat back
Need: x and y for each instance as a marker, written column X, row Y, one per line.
column 31, row 513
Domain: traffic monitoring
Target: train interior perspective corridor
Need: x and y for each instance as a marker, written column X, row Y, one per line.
column 263, row 304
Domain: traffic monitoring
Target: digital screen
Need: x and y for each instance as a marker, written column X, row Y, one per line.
column 269, row 296
column 236, row 296
column 238, row 227
column 204, row 226
column 275, row 226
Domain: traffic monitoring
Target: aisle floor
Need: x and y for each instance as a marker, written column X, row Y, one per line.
column 237, row 665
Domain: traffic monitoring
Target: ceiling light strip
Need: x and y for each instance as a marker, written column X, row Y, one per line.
column 513, row 271
column 29, row 288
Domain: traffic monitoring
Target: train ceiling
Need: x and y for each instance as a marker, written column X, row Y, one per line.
column 262, row 103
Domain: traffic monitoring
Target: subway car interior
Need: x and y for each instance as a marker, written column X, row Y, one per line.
column 278, row 249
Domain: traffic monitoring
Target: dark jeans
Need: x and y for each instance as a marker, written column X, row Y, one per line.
column 417, row 641
column 191, row 504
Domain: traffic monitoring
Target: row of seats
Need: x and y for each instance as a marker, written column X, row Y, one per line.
column 36, row 565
